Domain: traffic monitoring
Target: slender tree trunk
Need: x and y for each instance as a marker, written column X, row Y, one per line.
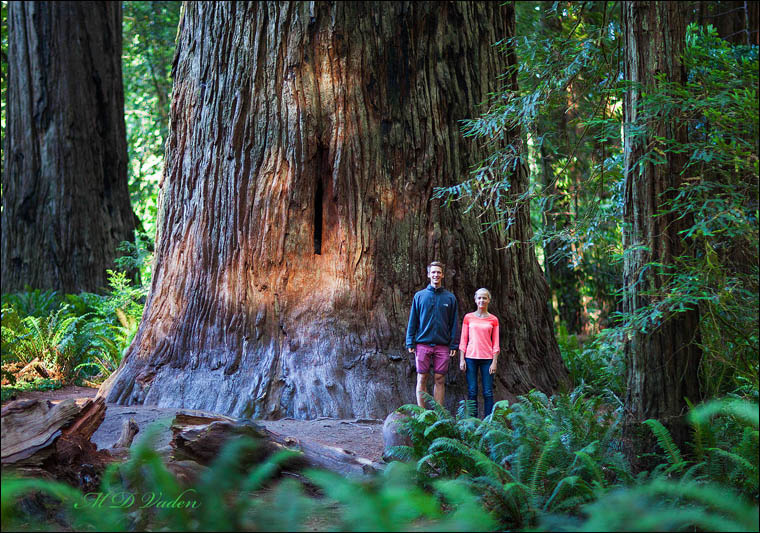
column 296, row 222
column 662, row 362
column 65, row 198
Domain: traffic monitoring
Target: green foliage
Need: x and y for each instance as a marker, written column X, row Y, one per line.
column 74, row 336
column 664, row 439
column 548, row 460
column 231, row 497
column 149, row 32
column 535, row 456
column 51, row 339
column 35, row 302
column 138, row 257
column 726, row 443
column 78, row 515
column 598, row 365
column 36, row 384
column 718, row 198
column 662, row 505
column 568, row 108
column 394, row 501
column 716, row 489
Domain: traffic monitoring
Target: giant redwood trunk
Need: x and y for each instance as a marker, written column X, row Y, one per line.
column 65, row 198
column 663, row 361
column 296, row 221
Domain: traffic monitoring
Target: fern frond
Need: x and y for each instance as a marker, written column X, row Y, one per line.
column 465, row 408
column 590, row 465
column 476, row 460
column 692, row 473
column 454, row 449
column 400, row 453
column 440, row 428
column 427, row 417
column 427, row 464
column 744, row 411
column 665, row 440
column 748, row 447
column 744, row 466
column 410, row 409
column 497, row 440
column 572, row 503
column 618, row 464
column 467, row 429
column 439, row 410
column 715, row 497
column 520, row 461
column 266, row 469
column 507, row 500
column 542, row 463
column 568, row 483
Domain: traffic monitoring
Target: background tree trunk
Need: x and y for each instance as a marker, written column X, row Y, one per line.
column 662, row 363
column 737, row 21
column 65, row 198
column 306, row 140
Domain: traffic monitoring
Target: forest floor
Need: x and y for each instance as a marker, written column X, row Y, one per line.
column 362, row 436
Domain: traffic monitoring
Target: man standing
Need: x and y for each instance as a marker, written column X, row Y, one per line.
column 432, row 332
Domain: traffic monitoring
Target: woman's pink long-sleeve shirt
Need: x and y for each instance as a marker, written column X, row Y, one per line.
column 480, row 336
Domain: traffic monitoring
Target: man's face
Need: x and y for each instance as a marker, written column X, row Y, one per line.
column 435, row 275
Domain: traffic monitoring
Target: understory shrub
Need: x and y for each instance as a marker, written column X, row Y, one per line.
column 138, row 495
column 76, row 338
column 557, row 463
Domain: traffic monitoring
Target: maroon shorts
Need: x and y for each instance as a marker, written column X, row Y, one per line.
column 439, row 355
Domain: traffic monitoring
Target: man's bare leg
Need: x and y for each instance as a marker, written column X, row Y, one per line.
column 439, row 389
column 421, row 386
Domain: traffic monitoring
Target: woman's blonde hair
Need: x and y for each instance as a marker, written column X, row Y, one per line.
column 483, row 289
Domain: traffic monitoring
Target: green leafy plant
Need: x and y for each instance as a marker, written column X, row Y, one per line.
column 48, row 339
column 598, row 365
column 36, row 384
column 30, row 302
column 138, row 256
column 149, row 32
column 662, row 505
column 142, row 494
column 535, row 456
column 77, row 337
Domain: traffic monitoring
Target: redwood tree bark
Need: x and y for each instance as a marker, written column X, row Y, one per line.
column 65, row 197
column 306, row 140
column 662, row 363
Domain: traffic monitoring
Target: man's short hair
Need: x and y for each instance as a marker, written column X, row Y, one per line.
column 436, row 264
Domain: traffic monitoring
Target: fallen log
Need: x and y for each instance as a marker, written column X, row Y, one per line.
column 29, row 427
column 200, row 439
column 332, row 458
column 38, row 435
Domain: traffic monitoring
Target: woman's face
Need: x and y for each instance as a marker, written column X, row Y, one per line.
column 482, row 300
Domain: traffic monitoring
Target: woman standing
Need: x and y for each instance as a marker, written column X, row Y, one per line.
column 479, row 352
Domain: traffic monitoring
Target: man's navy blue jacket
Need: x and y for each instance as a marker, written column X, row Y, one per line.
column 434, row 319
